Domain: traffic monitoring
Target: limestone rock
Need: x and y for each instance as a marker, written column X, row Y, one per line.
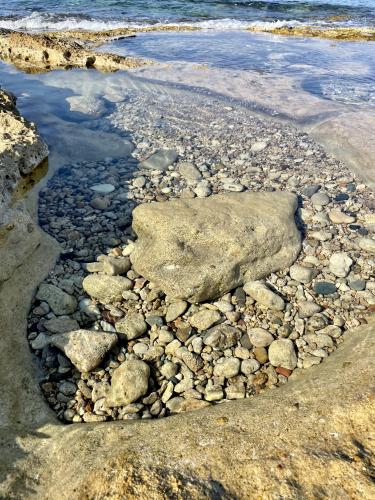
column 198, row 249
column 339, row 264
column 227, row 367
column 189, row 172
column 59, row 301
column 132, row 326
column 261, row 293
column 366, row 244
column 129, row 383
column 175, row 310
column 302, row 274
column 281, row 353
column 222, row 336
column 86, row 349
column 202, row 320
column 104, row 288
column 259, row 337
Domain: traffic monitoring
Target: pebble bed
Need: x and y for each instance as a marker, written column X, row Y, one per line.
column 188, row 356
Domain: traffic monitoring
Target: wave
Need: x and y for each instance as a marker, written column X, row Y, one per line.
column 46, row 22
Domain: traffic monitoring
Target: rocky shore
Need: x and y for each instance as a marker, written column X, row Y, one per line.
column 21, row 152
column 353, row 34
column 182, row 312
column 44, row 52
column 309, row 437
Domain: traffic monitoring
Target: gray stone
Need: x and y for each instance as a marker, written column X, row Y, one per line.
column 320, row 199
column 203, row 319
column 357, row 285
column 302, row 274
column 311, row 189
column 175, row 310
column 129, row 383
column 59, row 301
column 160, row 160
column 189, row 172
column 340, row 264
column 307, row 308
column 261, row 293
column 61, row 325
column 222, row 337
column 281, row 353
column 105, row 288
column 259, row 337
column 227, row 367
column 325, row 288
column 41, row 341
column 180, row 242
column 86, row 349
column 132, row 326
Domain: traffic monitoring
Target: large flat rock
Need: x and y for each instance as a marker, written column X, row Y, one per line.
column 198, row 249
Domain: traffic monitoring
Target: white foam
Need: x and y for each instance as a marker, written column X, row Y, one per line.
column 42, row 22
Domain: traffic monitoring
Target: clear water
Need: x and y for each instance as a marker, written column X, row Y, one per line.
column 99, row 14
column 343, row 71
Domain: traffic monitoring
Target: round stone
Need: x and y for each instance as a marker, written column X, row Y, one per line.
column 227, row 367
column 357, row 285
column 259, row 337
column 320, row 199
column 282, row 353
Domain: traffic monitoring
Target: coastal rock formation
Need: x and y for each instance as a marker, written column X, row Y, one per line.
column 199, row 249
column 43, row 52
column 21, row 151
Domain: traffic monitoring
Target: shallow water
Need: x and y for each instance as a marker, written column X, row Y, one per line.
column 340, row 71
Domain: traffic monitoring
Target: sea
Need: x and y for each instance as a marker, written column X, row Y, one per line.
column 34, row 15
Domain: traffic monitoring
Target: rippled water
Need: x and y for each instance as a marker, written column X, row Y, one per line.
column 99, row 14
column 343, row 71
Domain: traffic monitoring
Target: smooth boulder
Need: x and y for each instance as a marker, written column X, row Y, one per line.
column 199, row 249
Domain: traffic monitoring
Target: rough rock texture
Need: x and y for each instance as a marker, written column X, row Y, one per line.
column 43, row 52
column 86, row 349
column 198, row 249
column 21, row 151
column 129, row 383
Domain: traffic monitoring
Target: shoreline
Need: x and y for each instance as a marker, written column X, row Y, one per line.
column 129, row 449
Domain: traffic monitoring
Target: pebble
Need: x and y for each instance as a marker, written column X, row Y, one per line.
column 204, row 319
column 282, row 353
column 262, row 294
column 325, row 288
column 320, row 199
column 260, row 337
column 129, row 383
column 340, row 264
column 302, row 274
column 227, row 367
column 132, row 326
column 366, row 244
column 103, row 188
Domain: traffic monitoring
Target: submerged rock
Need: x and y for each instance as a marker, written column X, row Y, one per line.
column 59, row 301
column 160, row 160
column 198, row 249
